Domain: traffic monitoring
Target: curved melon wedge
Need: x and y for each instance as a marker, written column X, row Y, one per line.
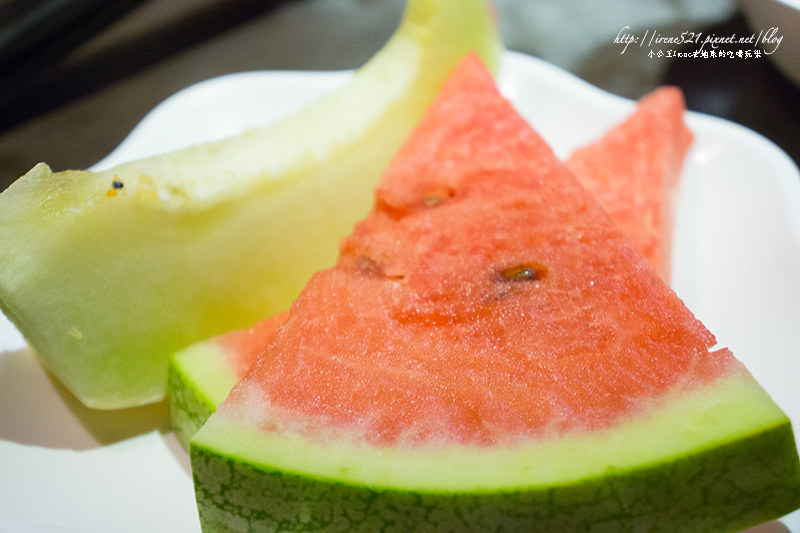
column 107, row 274
column 491, row 353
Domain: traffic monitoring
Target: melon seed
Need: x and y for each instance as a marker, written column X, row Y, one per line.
column 525, row 272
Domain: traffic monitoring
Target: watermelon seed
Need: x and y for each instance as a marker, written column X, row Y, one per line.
column 367, row 265
column 370, row 267
column 431, row 201
column 438, row 196
column 525, row 272
column 117, row 184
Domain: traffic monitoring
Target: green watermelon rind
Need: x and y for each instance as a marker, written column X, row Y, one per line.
column 688, row 465
column 199, row 379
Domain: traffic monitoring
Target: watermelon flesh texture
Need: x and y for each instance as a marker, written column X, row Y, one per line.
column 490, row 352
column 202, row 375
column 633, row 170
column 106, row 283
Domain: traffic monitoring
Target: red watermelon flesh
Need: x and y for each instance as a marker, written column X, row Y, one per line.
column 487, row 298
column 626, row 170
column 634, row 171
column 620, row 167
column 242, row 347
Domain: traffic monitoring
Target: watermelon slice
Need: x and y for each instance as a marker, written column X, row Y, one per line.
column 202, row 375
column 490, row 352
column 634, row 171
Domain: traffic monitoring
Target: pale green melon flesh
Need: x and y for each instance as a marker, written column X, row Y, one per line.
column 718, row 458
column 200, row 377
column 215, row 237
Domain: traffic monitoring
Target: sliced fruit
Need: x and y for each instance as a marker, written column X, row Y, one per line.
column 202, row 375
column 490, row 352
column 107, row 274
column 634, row 171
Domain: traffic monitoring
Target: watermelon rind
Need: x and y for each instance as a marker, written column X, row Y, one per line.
column 199, row 379
column 201, row 376
column 718, row 458
column 107, row 274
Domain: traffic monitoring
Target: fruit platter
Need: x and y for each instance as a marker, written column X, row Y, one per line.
column 72, row 463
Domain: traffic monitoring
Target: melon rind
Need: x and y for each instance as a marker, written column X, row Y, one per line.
column 718, row 458
column 106, row 283
column 201, row 375
column 199, row 379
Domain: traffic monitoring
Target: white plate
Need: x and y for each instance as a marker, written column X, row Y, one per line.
column 737, row 265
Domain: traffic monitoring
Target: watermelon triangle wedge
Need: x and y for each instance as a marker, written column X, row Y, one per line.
column 491, row 353
column 633, row 170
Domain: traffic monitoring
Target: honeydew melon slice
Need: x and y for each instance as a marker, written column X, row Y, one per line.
column 107, row 274
column 633, row 171
column 491, row 353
